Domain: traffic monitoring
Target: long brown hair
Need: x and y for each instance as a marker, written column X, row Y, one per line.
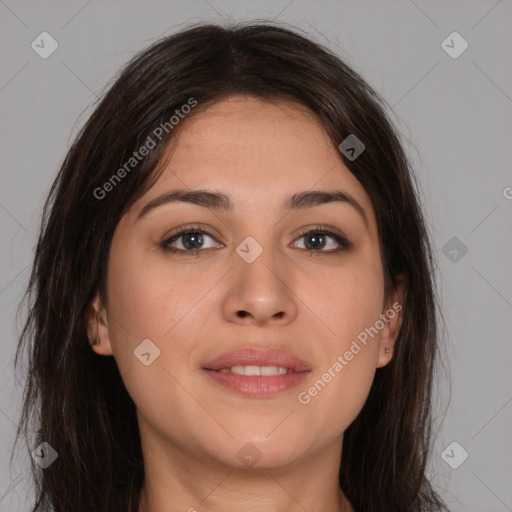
column 77, row 402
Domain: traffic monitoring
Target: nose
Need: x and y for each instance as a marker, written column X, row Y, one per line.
column 261, row 292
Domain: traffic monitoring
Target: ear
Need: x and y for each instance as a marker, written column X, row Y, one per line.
column 97, row 327
column 392, row 316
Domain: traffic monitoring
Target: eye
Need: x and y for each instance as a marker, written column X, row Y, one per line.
column 189, row 241
column 192, row 241
column 322, row 240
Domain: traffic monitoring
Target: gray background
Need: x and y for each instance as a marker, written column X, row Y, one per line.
column 454, row 115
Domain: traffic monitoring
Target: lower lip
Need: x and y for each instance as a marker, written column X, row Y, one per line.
column 257, row 386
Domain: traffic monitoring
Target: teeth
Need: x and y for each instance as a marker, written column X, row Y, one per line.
column 273, row 370
column 256, row 370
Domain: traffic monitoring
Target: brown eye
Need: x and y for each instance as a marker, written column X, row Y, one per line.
column 322, row 241
column 190, row 241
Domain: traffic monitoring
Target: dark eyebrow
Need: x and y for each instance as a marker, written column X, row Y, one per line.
column 311, row 198
column 205, row 198
column 219, row 201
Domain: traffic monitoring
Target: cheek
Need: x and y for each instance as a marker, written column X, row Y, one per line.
column 347, row 299
column 147, row 294
column 150, row 299
column 348, row 303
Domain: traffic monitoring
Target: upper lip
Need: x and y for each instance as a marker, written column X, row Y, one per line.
column 258, row 357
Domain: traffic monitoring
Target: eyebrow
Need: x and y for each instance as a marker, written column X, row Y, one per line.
column 219, row 201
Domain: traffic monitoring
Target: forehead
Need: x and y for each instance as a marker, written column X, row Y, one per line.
column 256, row 151
column 253, row 129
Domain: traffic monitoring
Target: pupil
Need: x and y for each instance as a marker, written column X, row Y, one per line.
column 193, row 240
column 316, row 239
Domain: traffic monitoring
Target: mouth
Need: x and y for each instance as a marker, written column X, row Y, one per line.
column 257, row 373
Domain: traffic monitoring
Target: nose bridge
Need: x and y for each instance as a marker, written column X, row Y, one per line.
column 260, row 283
column 258, row 264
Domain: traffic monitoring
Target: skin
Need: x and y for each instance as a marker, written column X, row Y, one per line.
column 310, row 304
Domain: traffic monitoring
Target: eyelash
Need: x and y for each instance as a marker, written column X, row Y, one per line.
column 319, row 229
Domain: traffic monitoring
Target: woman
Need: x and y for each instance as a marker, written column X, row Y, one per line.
column 232, row 303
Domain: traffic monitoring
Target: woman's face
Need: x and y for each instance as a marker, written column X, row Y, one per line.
column 249, row 284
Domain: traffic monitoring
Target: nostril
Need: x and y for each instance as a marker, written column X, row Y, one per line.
column 242, row 314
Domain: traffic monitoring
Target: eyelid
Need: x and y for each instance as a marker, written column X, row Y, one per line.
column 331, row 231
column 176, row 233
column 194, row 227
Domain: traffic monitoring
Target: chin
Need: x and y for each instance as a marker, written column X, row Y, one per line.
column 263, row 452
